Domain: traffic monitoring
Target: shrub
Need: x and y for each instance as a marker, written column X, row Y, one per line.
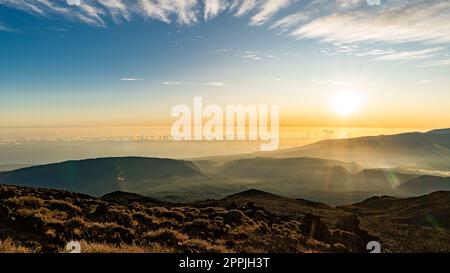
column 167, row 237
column 89, row 247
column 8, row 246
column 201, row 246
column 63, row 206
column 25, row 201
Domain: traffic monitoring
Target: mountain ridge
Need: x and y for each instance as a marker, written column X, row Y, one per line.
column 101, row 175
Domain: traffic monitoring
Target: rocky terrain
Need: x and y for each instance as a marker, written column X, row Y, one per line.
column 43, row 220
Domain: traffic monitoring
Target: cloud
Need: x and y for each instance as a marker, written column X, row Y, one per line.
column 86, row 11
column 221, row 50
column 274, row 79
column 216, row 84
column 183, row 10
column 374, row 52
column 131, row 79
column 268, row 9
column 177, row 83
column 213, row 8
column 411, row 55
column 424, row 81
column 290, row 21
column 213, row 84
column 73, row 2
column 343, row 21
column 333, row 82
column 117, row 9
column 394, row 22
column 24, row 5
column 5, row 28
column 244, row 6
column 251, row 55
column 444, row 62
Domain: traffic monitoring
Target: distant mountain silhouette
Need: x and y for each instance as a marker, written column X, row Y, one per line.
column 285, row 167
column 424, row 150
column 425, row 184
column 102, row 175
column 292, row 175
column 206, row 166
column 440, row 131
column 324, row 180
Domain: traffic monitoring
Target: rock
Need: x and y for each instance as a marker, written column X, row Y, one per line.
column 49, row 248
column 4, row 212
column 99, row 213
column 350, row 240
column 233, row 217
column 314, row 227
column 101, row 210
column 352, row 224
column 251, row 205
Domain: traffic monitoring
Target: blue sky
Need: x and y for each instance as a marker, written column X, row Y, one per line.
column 113, row 62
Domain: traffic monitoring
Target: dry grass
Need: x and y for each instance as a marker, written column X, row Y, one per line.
column 25, row 201
column 108, row 248
column 8, row 246
column 45, row 220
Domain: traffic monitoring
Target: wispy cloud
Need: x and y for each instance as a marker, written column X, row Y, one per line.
column 395, row 22
column 333, row 82
column 374, row 52
column 411, row 55
column 221, row 50
column 87, row 12
column 251, row 55
column 213, row 8
column 444, row 62
column 5, row 28
column 213, row 84
column 244, row 6
column 131, row 79
column 267, row 9
column 117, row 9
column 424, row 81
column 274, row 79
column 344, row 21
column 216, row 84
column 185, row 11
column 290, row 21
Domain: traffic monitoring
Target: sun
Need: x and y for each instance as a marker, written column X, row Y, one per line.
column 346, row 103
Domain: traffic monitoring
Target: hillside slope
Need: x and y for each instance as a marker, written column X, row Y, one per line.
column 425, row 150
column 425, row 184
column 44, row 220
column 102, row 175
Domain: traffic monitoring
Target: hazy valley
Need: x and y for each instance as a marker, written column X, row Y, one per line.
column 139, row 204
column 341, row 174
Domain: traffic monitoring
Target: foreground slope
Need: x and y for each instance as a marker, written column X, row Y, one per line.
column 417, row 224
column 43, row 220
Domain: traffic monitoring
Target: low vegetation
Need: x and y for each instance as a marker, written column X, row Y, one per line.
column 41, row 220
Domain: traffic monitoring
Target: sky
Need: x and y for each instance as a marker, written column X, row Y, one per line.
column 127, row 63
